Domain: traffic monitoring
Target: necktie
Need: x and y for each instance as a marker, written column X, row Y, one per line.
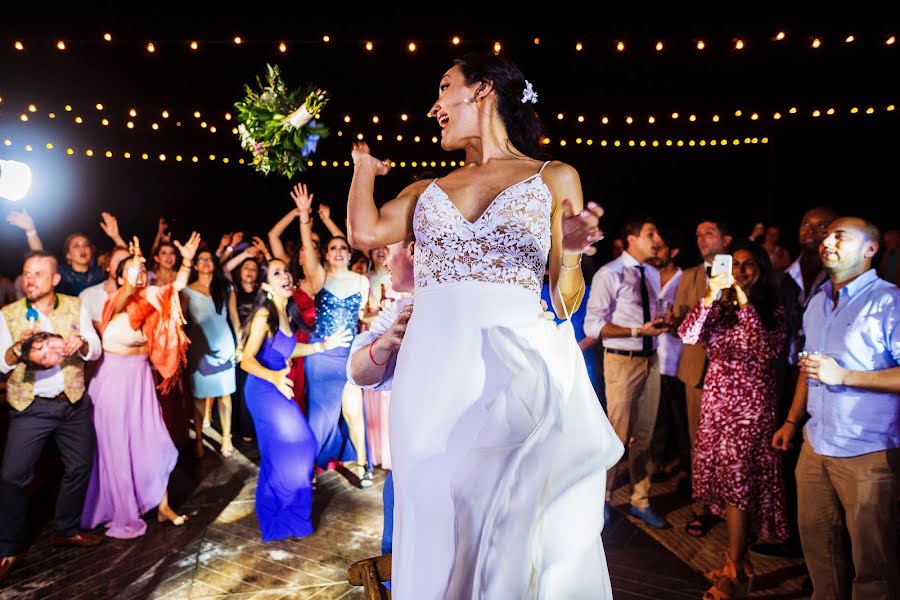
column 645, row 306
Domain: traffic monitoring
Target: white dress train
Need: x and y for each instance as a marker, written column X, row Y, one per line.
column 499, row 444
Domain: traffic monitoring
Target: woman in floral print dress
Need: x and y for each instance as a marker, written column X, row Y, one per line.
column 737, row 473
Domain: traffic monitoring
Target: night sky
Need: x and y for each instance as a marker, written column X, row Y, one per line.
column 845, row 160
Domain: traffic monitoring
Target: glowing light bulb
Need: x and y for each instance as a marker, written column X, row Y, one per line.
column 620, row 46
column 369, row 46
column 455, row 41
column 659, row 46
column 61, row 45
column 411, row 46
column 194, row 45
column 701, row 45
column 107, row 37
column 282, row 47
column 151, row 47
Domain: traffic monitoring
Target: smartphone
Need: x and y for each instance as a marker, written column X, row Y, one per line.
column 721, row 265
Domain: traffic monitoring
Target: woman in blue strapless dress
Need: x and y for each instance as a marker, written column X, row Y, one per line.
column 335, row 407
column 287, row 446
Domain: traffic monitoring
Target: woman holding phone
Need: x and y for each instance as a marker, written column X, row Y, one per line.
column 737, row 473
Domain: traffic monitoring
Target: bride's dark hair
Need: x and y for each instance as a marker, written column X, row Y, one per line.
column 521, row 120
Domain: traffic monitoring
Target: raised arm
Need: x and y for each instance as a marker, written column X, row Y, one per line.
column 23, row 221
column 325, row 215
column 131, row 275
column 275, row 235
column 187, row 250
column 367, row 225
column 110, row 226
column 573, row 231
column 162, row 235
column 309, row 256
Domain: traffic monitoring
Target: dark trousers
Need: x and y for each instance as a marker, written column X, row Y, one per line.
column 670, row 435
column 73, row 427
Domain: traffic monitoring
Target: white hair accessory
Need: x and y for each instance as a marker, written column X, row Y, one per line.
column 528, row 94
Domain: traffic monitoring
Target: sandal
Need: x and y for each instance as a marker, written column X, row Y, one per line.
column 227, row 449
column 699, row 525
column 729, row 584
column 367, row 479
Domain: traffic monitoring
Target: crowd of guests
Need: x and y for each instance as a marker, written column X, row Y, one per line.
column 707, row 377
column 115, row 360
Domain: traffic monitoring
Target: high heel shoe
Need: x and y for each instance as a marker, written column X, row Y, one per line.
column 728, row 584
column 227, row 449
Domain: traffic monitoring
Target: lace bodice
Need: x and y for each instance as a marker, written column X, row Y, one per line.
column 509, row 243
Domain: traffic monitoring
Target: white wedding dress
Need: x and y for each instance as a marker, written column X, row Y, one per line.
column 499, row 444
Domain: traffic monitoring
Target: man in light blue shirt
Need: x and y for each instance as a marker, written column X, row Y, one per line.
column 622, row 310
column 850, row 386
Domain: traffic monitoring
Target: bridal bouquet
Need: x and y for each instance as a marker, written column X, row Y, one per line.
column 278, row 126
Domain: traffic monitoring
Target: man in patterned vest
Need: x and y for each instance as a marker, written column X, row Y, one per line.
column 47, row 393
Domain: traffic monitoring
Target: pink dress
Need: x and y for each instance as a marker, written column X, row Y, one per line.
column 734, row 462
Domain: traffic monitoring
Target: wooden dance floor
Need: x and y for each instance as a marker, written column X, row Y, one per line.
column 217, row 554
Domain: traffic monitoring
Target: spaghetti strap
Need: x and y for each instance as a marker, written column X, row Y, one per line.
column 547, row 162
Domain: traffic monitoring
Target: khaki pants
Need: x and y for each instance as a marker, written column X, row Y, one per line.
column 632, row 400
column 856, row 492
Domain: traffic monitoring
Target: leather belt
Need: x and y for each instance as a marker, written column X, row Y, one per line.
column 631, row 353
column 60, row 397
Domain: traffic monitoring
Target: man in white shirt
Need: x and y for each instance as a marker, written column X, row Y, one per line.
column 622, row 310
column 47, row 399
column 94, row 297
column 373, row 354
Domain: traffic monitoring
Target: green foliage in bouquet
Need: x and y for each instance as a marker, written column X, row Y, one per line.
column 279, row 126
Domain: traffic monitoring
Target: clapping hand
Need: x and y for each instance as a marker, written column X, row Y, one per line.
column 581, row 231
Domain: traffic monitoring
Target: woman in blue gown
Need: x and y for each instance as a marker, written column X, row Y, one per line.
column 287, row 446
column 335, row 407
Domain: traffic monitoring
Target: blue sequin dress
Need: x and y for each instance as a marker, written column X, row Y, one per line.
column 326, row 376
column 287, row 449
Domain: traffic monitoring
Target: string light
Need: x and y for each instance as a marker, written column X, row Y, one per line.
column 104, row 122
column 780, row 36
column 404, row 117
column 620, row 46
column 24, row 118
column 715, row 118
column 579, row 47
column 19, row 46
column 581, row 118
column 701, row 45
column 651, row 119
column 194, row 46
column 32, row 108
column 816, row 43
column 739, row 45
column 99, row 106
column 776, row 116
column 629, row 120
column 79, row 120
column 129, row 125
column 604, row 120
column 659, row 46
column 326, row 38
column 830, row 111
column 537, row 41
column 107, row 37
column 237, row 40
column 375, row 119
column 497, row 47
column 870, row 110
column 60, row 45
column 692, row 118
column 850, row 39
column 674, row 115
column 369, row 46
column 411, row 47
column 559, row 116
column 890, row 41
column 455, row 41
column 282, row 47
column 132, row 112
column 165, row 114
column 152, row 48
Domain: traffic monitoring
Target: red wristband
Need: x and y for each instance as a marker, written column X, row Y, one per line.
column 372, row 358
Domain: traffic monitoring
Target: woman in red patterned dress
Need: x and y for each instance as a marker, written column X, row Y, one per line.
column 737, row 473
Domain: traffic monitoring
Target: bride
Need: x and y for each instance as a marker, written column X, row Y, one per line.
column 499, row 444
